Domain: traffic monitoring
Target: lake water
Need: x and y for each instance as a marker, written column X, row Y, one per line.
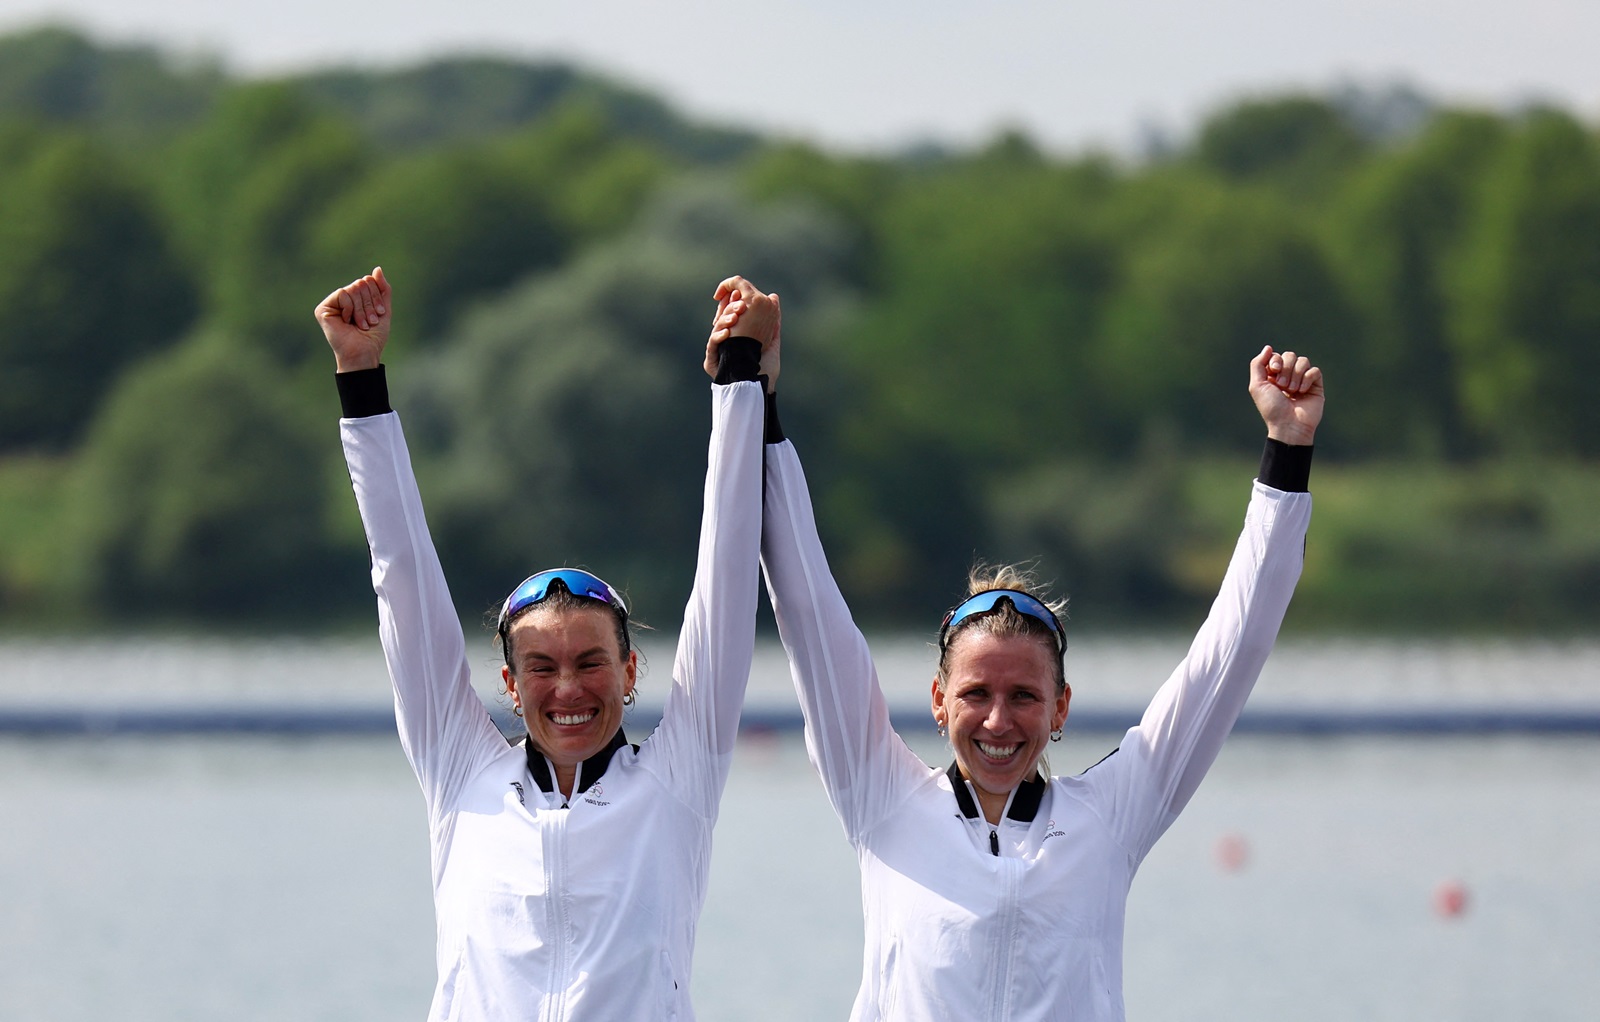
column 267, row 879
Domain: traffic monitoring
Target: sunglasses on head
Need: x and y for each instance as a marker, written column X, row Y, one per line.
column 987, row 602
column 579, row 583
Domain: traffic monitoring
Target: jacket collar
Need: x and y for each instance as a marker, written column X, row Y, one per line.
column 593, row 767
column 1024, row 804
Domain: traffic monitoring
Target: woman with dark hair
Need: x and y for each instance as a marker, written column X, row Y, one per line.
column 569, row 869
column 992, row 890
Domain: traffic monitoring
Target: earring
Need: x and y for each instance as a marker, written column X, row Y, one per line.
column 943, row 730
column 517, row 710
column 1055, row 736
column 628, row 698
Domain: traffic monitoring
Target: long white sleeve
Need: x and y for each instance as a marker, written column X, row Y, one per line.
column 444, row 729
column 712, row 668
column 1162, row 761
column 865, row 767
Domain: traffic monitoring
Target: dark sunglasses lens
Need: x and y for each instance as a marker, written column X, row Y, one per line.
column 980, row 604
column 578, row 583
column 1021, row 602
column 591, row 590
column 1028, row 605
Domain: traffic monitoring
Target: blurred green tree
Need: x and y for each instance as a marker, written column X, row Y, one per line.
column 992, row 350
column 250, row 189
column 201, row 494
column 990, row 293
column 1527, row 293
column 1108, row 533
column 593, row 175
column 1395, row 236
column 1300, row 143
column 88, row 285
column 855, row 191
column 205, row 167
column 448, row 228
column 1210, row 275
column 134, row 95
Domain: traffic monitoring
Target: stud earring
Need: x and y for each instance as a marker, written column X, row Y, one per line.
column 1055, row 736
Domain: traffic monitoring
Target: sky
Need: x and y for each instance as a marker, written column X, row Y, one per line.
column 883, row 74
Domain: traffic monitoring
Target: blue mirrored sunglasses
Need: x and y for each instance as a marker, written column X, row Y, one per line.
column 579, row 583
column 1021, row 602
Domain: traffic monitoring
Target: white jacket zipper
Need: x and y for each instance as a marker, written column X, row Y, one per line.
column 555, row 885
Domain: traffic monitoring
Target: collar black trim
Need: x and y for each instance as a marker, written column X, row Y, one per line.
column 1024, row 805
column 593, row 768
column 958, row 784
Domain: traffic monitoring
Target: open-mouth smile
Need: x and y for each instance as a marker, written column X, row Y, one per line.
column 998, row 753
column 572, row 719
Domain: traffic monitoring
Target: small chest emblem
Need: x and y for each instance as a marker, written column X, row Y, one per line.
column 592, row 796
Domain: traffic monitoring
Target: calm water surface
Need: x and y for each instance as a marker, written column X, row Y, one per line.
column 267, row 879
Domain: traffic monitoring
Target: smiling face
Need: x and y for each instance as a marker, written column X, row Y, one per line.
column 1000, row 702
column 568, row 677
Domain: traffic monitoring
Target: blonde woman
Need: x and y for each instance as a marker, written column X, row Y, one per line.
column 990, row 890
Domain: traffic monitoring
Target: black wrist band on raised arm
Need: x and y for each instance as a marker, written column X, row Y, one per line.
column 1286, row 467
column 773, row 434
column 363, row 393
column 738, row 360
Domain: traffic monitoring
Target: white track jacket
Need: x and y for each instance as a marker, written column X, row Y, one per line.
column 1032, row 929
column 585, row 912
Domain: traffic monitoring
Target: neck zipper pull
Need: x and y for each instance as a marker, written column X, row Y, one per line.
column 994, row 841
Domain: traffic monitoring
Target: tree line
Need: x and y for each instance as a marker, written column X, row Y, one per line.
column 994, row 351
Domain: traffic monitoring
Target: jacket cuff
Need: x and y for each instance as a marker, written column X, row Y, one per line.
column 774, row 429
column 738, row 360
column 363, row 393
column 1286, row 467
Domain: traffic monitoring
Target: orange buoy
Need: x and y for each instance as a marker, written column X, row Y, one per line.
column 1232, row 853
column 1450, row 899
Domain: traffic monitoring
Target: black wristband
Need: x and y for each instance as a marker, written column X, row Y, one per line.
column 774, row 429
column 738, row 360
column 363, row 393
column 1286, row 467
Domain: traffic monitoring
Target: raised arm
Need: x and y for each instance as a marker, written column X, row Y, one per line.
column 1163, row 760
column 864, row 765
column 444, row 729
column 694, row 744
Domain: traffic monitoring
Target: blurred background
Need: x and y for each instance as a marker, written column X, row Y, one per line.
column 1025, row 252
column 1009, row 338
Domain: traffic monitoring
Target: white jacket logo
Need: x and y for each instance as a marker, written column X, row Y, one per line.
column 592, row 796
